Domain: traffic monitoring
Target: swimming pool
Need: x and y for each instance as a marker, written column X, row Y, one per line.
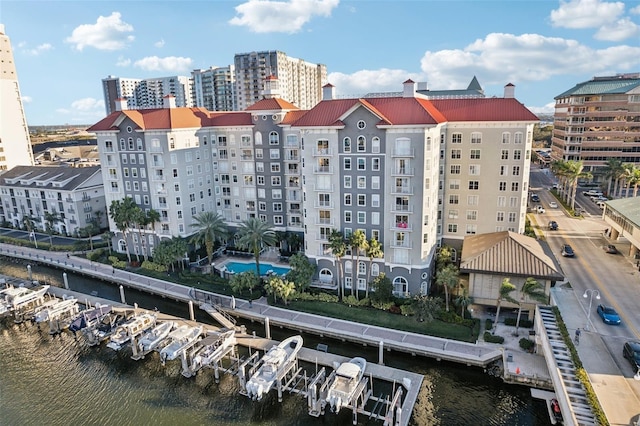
column 239, row 267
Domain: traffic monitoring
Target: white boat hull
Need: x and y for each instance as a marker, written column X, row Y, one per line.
column 347, row 378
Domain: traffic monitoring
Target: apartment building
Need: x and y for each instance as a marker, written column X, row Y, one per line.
column 300, row 81
column 74, row 195
column 15, row 143
column 146, row 93
column 411, row 172
column 597, row 120
column 213, row 88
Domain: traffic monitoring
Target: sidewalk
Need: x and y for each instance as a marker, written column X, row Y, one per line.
column 614, row 391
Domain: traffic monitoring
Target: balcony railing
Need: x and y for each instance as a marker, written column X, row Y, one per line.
column 401, row 208
column 325, row 221
column 292, row 172
column 323, row 169
column 322, row 237
column 407, row 190
column 291, row 158
column 407, row 153
column 401, row 244
column 401, row 226
column 87, row 209
column 86, row 197
column 403, row 171
column 324, row 205
column 322, row 152
column 323, row 188
column 69, row 200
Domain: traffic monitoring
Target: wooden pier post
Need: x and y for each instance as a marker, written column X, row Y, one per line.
column 191, row 314
column 122, row 299
column 66, row 280
column 267, row 329
column 381, row 353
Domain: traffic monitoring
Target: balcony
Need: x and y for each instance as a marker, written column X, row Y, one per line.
column 323, row 188
column 325, row 221
column 71, row 210
column 405, row 153
column 404, row 190
column 157, row 164
column 324, row 205
column 322, row 152
column 322, row 237
column 69, row 200
column 401, row 244
column 157, row 178
column 295, row 224
column 323, row 170
column 294, row 211
column 401, row 208
column 291, row 158
column 403, row 171
column 87, row 209
column 294, row 185
column 86, row 197
column 401, row 226
column 246, row 157
column 292, row 171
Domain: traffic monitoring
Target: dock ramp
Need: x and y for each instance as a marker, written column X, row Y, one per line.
column 226, row 320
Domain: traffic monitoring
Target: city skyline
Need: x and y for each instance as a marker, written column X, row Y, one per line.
column 543, row 48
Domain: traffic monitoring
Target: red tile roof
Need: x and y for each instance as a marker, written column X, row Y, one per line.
column 484, row 109
column 271, row 104
column 145, row 119
column 230, row 119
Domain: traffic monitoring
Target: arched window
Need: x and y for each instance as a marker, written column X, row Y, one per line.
column 362, row 143
column 348, row 267
column 400, row 286
column 122, row 246
column 257, row 138
column 454, row 255
column 375, row 145
column 375, row 270
column 326, row 276
column 346, row 145
column 274, row 138
column 362, row 268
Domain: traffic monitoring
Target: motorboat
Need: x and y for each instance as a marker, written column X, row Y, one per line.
column 107, row 326
column 181, row 339
column 133, row 327
column 89, row 317
column 50, row 311
column 152, row 338
column 277, row 357
column 15, row 297
column 345, row 383
column 212, row 348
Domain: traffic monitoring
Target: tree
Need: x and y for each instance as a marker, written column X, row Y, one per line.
column 51, row 218
column 357, row 241
column 280, row 288
column 153, row 217
column 139, row 218
column 373, row 251
column 338, row 247
column 504, row 293
column 613, row 170
column 382, row 289
column 531, row 289
column 570, row 172
column 106, row 237
column 448, row 279
column 301, row 271
column 426, row 307
column 163, row 255
column 463, row 300
column 444, row 257
column 254, row 234
column 121, row 211
column 244, row 281
column 210, row 227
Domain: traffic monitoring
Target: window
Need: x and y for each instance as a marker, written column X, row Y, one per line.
column 362, row 200
column 500, row 217
column 362, row 217
column 260, row 180
column 375, row 164
column 278, row 220
column 274, row 138
column 502, row 201
column 400, row 286
column 277, row 207
column 512, row 217
column 456, row 138
column 362, row 182
column 454, row 184
column 361, row 124
column 472, row 200
column 475, row 154
column 517, row 137
column 375, row 145
column 274, row 154
column 347, row 181
column 516, row 170
column 455, row 169
column 513, row 202
column 375, row 182
column 347, row 199
column 476, row 137
column 346, row 145
column 456, row 154
column 474, row 169
column 502, row 186
column 375, row 200
column 452, row 228
column 517, row 154
column 504, row 154
column 506, row 137
column 472, row 214
column 453, row 214
column 503, row 170
column 472, row 229
column 347, row 217
column 453, row 199
column 275, row 167
column 474, row 184
column 276, row 194
column 362, row 144
column 347, row 163
column 362, row 164
column 515, row 186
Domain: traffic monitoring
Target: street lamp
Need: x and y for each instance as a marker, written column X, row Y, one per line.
column 35, row 239
column 589, row 293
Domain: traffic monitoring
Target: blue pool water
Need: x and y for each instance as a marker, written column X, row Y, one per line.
column 239, row 267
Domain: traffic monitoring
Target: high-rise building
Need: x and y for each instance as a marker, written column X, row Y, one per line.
column 146, row 93
column 213, row 88
column 410, row 172
column 300, row 81
column 598, row 120
column 15, row 144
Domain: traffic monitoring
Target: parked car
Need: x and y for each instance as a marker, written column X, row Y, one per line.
column 553, row 205
column 600, row 204
column 553, row 225
column 535, row 198
column 631, row 351
column 598, row 199
column 567, row 251
column 610, row 248
column 592, row 193
column 608, row 315
column 540, row 209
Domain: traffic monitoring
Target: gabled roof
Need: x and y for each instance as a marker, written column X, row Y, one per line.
column 72, row 177
column 272, row 104
column 602, row 86
column 484, row 109
column 223, row 119
column 163, row 118
column 627, row 207
column 511, row 254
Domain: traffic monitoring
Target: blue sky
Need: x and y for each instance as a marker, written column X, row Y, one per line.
column 63, row 49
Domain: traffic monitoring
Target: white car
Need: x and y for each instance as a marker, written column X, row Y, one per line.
column 540, row 209
column 553, row 205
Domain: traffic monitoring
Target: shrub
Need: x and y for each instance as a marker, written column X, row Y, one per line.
column 523, row 322
column 450, row 317
column 383, row 306
column 526, row 344
column 407, row 310
column 491, row 338
column 394, row 309
column 95, row 255
column 488, row 324
column 151, row 266
column 320, row 297
column 117, row 263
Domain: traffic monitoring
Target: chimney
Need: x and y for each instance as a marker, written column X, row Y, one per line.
column 409, row 89
column 328, row 92
column 169, row 102
column 510, row 91
column 121, row 104
column 271, row 89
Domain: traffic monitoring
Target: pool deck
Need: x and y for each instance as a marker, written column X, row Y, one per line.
column 267, row 257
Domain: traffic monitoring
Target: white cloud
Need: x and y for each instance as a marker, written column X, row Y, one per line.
column 618, row 31
column 367, row 81
column 123, row 62
column 266, row 16
column 87, row 104
column 169, row 63
column 84, row 110
column 26, row 99
column 578, row 14
column 635, row 10
column 159, row 43
column 108, row 33
column 545, row 109
column 39, row 49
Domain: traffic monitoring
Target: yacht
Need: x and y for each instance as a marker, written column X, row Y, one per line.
column 348, row 376
column 89, row 317
column 181, row 339
column 212, row 348
column 131, row 328
column 154, row 337
column 15, row 297
column 277, row 357
column 52, row 309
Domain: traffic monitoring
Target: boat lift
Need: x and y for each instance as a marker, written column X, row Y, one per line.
column 58, row 315
column 190, row 368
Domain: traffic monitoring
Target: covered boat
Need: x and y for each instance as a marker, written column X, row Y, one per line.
column 348, row 376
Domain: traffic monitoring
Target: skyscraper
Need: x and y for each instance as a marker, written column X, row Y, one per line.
column 146, row 93
column 213, row 88
column 15, row 144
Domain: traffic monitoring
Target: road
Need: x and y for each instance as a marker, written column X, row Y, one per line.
column 614, row 277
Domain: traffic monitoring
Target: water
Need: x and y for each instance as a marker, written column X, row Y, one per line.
column 239, row 267
column 60, row 381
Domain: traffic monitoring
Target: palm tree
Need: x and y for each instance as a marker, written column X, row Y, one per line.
column 254, row 234
column 571, row 171
column 357, row 241
column 210, row 227
column 447, row 277
column 106, row 237
column 153, row 217
column 531, row 289
column 338, row 247
column 51, row 218
column 121, row 211
column 373, row 251
column 612, row 170
column 504, row 293
column 463, row 300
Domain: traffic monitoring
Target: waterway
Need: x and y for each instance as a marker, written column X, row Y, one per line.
column 58, row 380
